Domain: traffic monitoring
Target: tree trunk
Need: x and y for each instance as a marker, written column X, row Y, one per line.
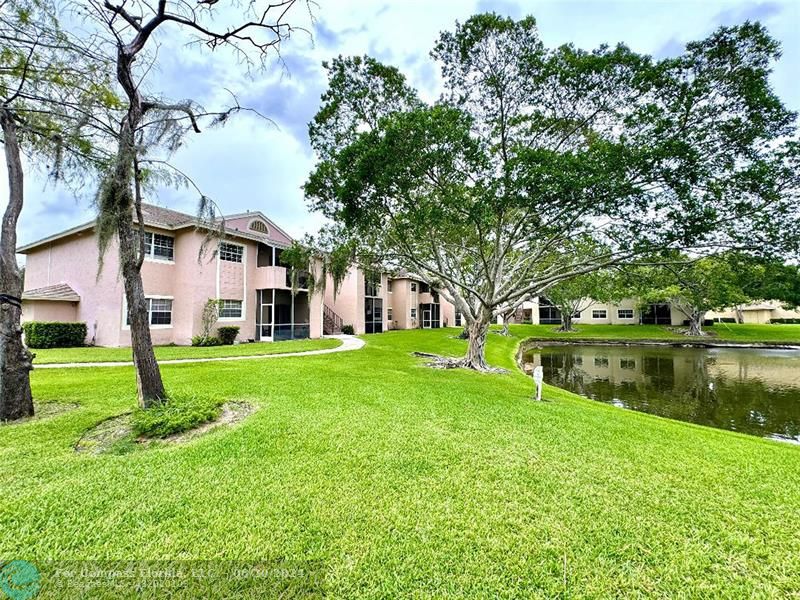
column 16, row 362
column 149, row 385
column 476, row 350
column 566, row 323
column 739, row 314
column 119, row 202
column 696, row 323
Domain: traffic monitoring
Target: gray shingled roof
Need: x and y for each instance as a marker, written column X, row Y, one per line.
column 60, row 292
column 157, row 215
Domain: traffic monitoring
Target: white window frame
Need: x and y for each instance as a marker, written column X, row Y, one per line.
column 241, row 310
column 413, row 313
column 389, row 313
column 627, row 310
column 233, row 244
column 150, row 256
column 599, row 310
column 413, row 287
column 126, row 326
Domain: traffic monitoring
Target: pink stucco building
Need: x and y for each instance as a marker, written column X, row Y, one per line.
column 63, row 283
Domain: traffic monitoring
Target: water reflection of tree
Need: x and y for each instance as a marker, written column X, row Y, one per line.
column 679, row 384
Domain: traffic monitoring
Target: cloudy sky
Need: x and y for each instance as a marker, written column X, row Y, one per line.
column 252, row 165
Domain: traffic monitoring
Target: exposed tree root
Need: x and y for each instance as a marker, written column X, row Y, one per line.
column 445, row 362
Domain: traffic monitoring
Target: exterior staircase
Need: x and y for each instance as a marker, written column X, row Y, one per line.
column 331, row 322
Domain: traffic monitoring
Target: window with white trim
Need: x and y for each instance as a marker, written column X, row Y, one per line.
column 389, row 314
column 459, row 318
column 599, row 314
column 158, row 246
column 159, row 312
column 413, row 313
column 230, row 309
column 413, row 286
column 624, row 313
column 231, row 252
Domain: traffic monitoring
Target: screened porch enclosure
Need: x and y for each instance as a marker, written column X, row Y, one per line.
column 431, row 315
column 279, row 317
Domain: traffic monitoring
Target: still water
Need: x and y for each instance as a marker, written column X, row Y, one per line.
column 751, row 390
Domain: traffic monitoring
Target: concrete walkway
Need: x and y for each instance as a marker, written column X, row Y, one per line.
column 349, row 343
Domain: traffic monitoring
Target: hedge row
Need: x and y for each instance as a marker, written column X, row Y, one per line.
column 43, row 334
column 787, row 321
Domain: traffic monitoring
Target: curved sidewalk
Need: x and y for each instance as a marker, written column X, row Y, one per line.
column 348, row 343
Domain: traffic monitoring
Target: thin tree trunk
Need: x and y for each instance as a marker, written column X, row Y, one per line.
column 476, row 349
column 121, row 200
column 149, row 385
column 16, row 362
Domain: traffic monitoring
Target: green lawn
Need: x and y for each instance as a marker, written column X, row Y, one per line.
column 101, row 354
column 729, row 332
column 394, row 480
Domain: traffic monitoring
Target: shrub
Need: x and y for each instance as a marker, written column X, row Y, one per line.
column 725, row 320
column 348, row 330
column 227, row 334
column 181, row 412
column 41, row 334
column 786, row 321
column 200, row 340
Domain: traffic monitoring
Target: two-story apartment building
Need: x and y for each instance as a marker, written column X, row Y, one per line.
column 413, row 304
column 361, row 301
column 62, row 282
column 628, row 312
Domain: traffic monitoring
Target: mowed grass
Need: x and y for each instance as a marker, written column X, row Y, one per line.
column 728, row 332
column 102, row 354
column 395, row 480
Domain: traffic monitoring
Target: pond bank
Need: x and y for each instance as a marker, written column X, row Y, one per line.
column 687, row 343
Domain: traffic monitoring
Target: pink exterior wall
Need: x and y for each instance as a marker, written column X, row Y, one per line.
column 402, row 299
column 74, row 261
column 186, row 281
column 346, row 302
column 47, row 310
column 350, row 300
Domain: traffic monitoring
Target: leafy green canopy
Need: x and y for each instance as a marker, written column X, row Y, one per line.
column 693, row 287
column 531, row 147
column 57, row 90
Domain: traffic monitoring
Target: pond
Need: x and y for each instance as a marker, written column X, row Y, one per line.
column 750, row 390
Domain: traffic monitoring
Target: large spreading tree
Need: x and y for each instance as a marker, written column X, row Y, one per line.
column 530, row 147
column 693, row 287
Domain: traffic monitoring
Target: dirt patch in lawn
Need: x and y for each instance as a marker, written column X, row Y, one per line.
column 115, row 435
column 44, row 410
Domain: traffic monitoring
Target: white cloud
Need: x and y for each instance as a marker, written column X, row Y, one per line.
column 250, row 165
